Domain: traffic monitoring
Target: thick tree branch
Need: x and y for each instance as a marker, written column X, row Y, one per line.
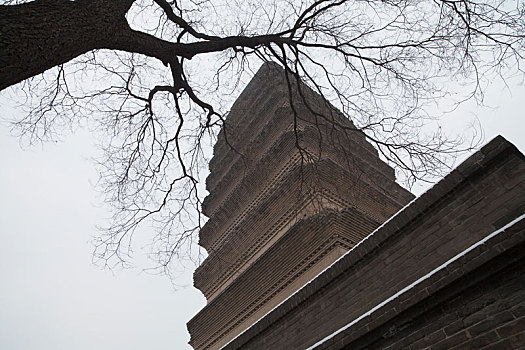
column 138, row 42
column 41, row 34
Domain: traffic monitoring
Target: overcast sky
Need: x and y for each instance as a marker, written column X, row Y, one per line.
column 51, row 297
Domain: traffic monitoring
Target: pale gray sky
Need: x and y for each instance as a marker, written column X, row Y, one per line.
column 51, row 297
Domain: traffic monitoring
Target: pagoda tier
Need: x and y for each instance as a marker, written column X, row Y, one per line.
column 291, row 190
column 295, row 192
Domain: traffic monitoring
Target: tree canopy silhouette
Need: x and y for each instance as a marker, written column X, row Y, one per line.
column 154, row 79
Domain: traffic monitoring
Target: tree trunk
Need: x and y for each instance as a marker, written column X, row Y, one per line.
column 42, row 34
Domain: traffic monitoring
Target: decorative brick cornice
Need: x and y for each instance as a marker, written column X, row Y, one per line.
column 273, row 166
column 327, row 230
column 255, row 232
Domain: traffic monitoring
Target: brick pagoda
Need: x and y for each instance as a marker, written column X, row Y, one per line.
column 291, row 189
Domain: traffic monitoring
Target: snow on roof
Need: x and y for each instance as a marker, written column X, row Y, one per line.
column 415, row 283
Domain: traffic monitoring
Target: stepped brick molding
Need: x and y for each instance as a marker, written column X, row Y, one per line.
column 287, row 198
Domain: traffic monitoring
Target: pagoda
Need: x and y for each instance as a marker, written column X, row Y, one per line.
column 293, row 186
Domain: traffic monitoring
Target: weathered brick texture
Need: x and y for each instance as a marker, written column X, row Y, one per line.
column 279, row 213
column 456, row 308
column 471, row 304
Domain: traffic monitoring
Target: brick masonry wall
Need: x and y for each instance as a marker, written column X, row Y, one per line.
column 487, row 315
column 475, row 302
column 483, row 194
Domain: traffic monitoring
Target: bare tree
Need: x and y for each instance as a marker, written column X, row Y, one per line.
column 153, row 78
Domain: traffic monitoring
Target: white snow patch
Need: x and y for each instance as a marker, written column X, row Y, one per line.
column 413, row 284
